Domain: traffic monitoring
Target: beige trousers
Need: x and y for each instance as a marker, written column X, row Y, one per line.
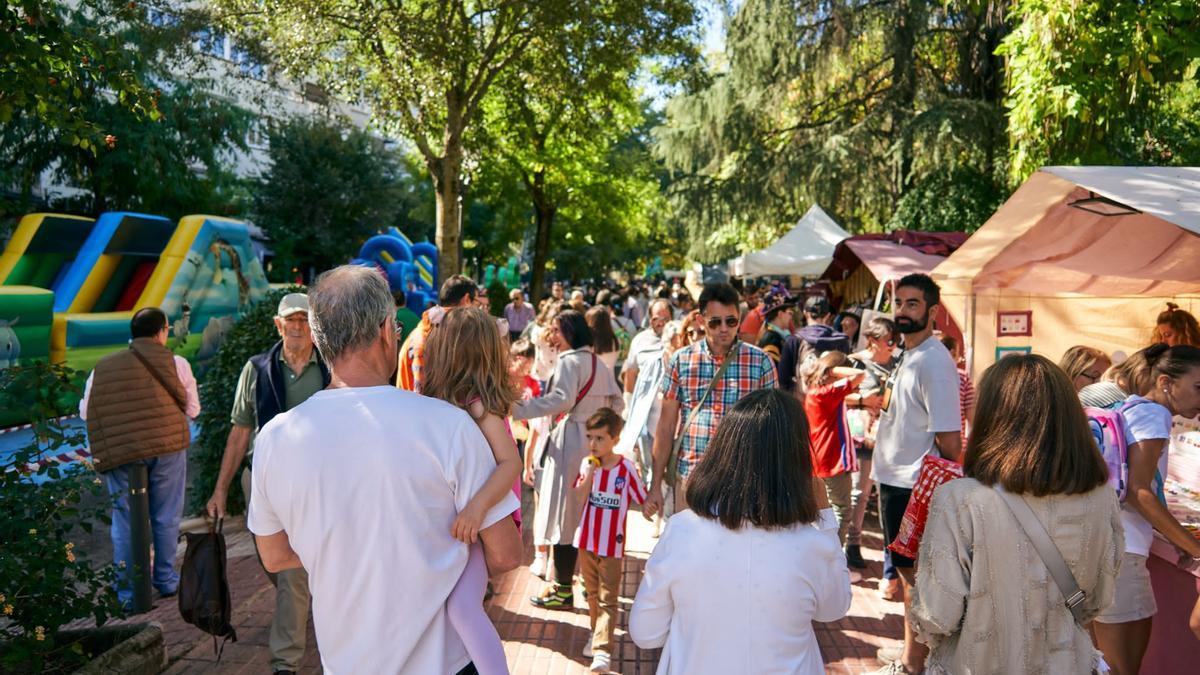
column 289, row 625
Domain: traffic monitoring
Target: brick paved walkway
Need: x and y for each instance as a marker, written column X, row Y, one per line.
column 537, row 641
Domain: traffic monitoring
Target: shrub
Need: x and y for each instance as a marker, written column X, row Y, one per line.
column 44, row 582
column 497, row 297
column 253, row 333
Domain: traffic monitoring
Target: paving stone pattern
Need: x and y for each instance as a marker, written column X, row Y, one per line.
column 537, row 641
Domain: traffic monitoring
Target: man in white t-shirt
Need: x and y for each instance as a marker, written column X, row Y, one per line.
column 360, row 484
column 920, row 415
column 642, row 375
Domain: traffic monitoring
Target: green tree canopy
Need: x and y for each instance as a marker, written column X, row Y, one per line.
column 848, row 104
column 328, row 187
column 171, row 157
column 425, row 66
column 1102, row 83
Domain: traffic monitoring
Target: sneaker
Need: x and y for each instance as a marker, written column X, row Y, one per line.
column 854, row 557
column 891, row 590
column 538, row 568
column 855, row 576
column 554, row 597
column 890, row 655
column 601, row 662
column 587, row 649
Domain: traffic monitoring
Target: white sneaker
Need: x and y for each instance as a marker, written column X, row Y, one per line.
column 601, row 662
column 538, row 568
column 587, row 649
column 855, row 576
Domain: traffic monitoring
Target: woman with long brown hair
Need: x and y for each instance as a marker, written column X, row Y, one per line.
column 984, row 601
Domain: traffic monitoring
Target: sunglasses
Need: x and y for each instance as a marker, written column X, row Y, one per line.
column 730, row 322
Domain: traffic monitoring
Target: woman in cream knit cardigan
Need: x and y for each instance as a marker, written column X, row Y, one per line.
column 984, row 601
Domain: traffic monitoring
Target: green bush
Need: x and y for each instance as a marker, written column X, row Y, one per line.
column 252, row 334
column 44, row 582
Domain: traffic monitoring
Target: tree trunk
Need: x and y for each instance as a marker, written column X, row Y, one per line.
column 543, row 217
column 448, row 191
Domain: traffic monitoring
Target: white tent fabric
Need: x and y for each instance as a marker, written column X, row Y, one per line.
column 804, row 251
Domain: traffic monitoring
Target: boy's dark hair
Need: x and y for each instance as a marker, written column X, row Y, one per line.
column 950, row 343
column 400, row 297
column 757, row 470
column 147, row 322
column 925, row 284
column 522, row 347
column 719, row 293
column 455, row 289
column 607, row 419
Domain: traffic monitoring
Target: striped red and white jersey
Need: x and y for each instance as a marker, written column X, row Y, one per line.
column 602, row 527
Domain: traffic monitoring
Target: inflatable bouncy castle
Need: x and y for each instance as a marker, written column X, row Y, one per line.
column 410, row 268
column 69, row 285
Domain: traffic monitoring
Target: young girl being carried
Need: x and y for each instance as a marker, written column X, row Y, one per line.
column 467, row 365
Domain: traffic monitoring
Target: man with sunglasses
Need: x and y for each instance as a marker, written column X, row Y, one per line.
column 733, row 369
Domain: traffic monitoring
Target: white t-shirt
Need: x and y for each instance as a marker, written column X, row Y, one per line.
column 367, row 482
column 740, row 601
column 1146, row 421
column 924, row 402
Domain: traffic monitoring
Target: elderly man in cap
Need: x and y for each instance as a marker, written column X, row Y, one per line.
column 273, row 382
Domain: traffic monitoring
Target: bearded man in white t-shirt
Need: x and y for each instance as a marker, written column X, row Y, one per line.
column 921, row 415
column 360, row 484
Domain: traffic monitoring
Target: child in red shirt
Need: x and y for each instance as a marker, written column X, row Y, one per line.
column 608, row 482
column 830, row 386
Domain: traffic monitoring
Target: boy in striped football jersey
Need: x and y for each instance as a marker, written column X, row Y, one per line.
column 607, row 481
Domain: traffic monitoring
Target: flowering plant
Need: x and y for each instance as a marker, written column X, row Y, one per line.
column 45, row 582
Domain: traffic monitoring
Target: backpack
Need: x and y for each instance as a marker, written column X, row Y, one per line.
column 1108, row 430
column 204, row 587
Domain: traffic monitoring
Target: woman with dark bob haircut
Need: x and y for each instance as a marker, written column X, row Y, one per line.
column 736, row 581
column 984, row 600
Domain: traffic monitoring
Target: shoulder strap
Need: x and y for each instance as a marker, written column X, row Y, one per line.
column 1046, row 550
column 673, row 461
column 587, row 386
column 158, row 378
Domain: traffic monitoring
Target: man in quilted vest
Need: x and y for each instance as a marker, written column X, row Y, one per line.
column 137, row 403
column 271, row 383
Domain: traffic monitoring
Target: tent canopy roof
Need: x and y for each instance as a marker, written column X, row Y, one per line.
column 805, row 250
column 892, row 255
column 1053, row 236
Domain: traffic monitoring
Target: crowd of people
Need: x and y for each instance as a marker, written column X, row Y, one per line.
column 754, row 428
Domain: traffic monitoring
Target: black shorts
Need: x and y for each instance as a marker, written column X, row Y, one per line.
column 893, row 501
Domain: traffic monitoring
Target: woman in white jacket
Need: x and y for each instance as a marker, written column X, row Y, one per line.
column 734, row 584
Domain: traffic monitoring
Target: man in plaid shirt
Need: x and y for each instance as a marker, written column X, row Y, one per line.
column 688, row 375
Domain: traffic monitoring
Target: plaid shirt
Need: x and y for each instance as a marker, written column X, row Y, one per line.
column 690, row 371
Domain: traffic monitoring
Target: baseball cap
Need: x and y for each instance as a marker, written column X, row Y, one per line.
column 292, row 303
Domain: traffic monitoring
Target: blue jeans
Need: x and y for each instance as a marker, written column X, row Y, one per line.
column 167, row 481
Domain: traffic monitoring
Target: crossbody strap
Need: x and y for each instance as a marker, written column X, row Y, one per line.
column 1047, row 551
column 158, row 378
column 587, row 386
column 673, row 462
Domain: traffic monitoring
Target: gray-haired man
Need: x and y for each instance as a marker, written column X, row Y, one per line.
column 360, row 485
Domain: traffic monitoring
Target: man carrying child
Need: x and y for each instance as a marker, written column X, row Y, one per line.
column 607, row 481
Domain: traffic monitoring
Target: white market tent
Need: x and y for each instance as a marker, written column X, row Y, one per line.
column 806, row 250
column 1092, row 254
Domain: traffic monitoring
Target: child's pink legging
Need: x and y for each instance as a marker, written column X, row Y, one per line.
column 465, row 609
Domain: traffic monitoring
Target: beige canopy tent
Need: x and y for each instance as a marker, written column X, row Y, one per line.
column 1077, row 255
